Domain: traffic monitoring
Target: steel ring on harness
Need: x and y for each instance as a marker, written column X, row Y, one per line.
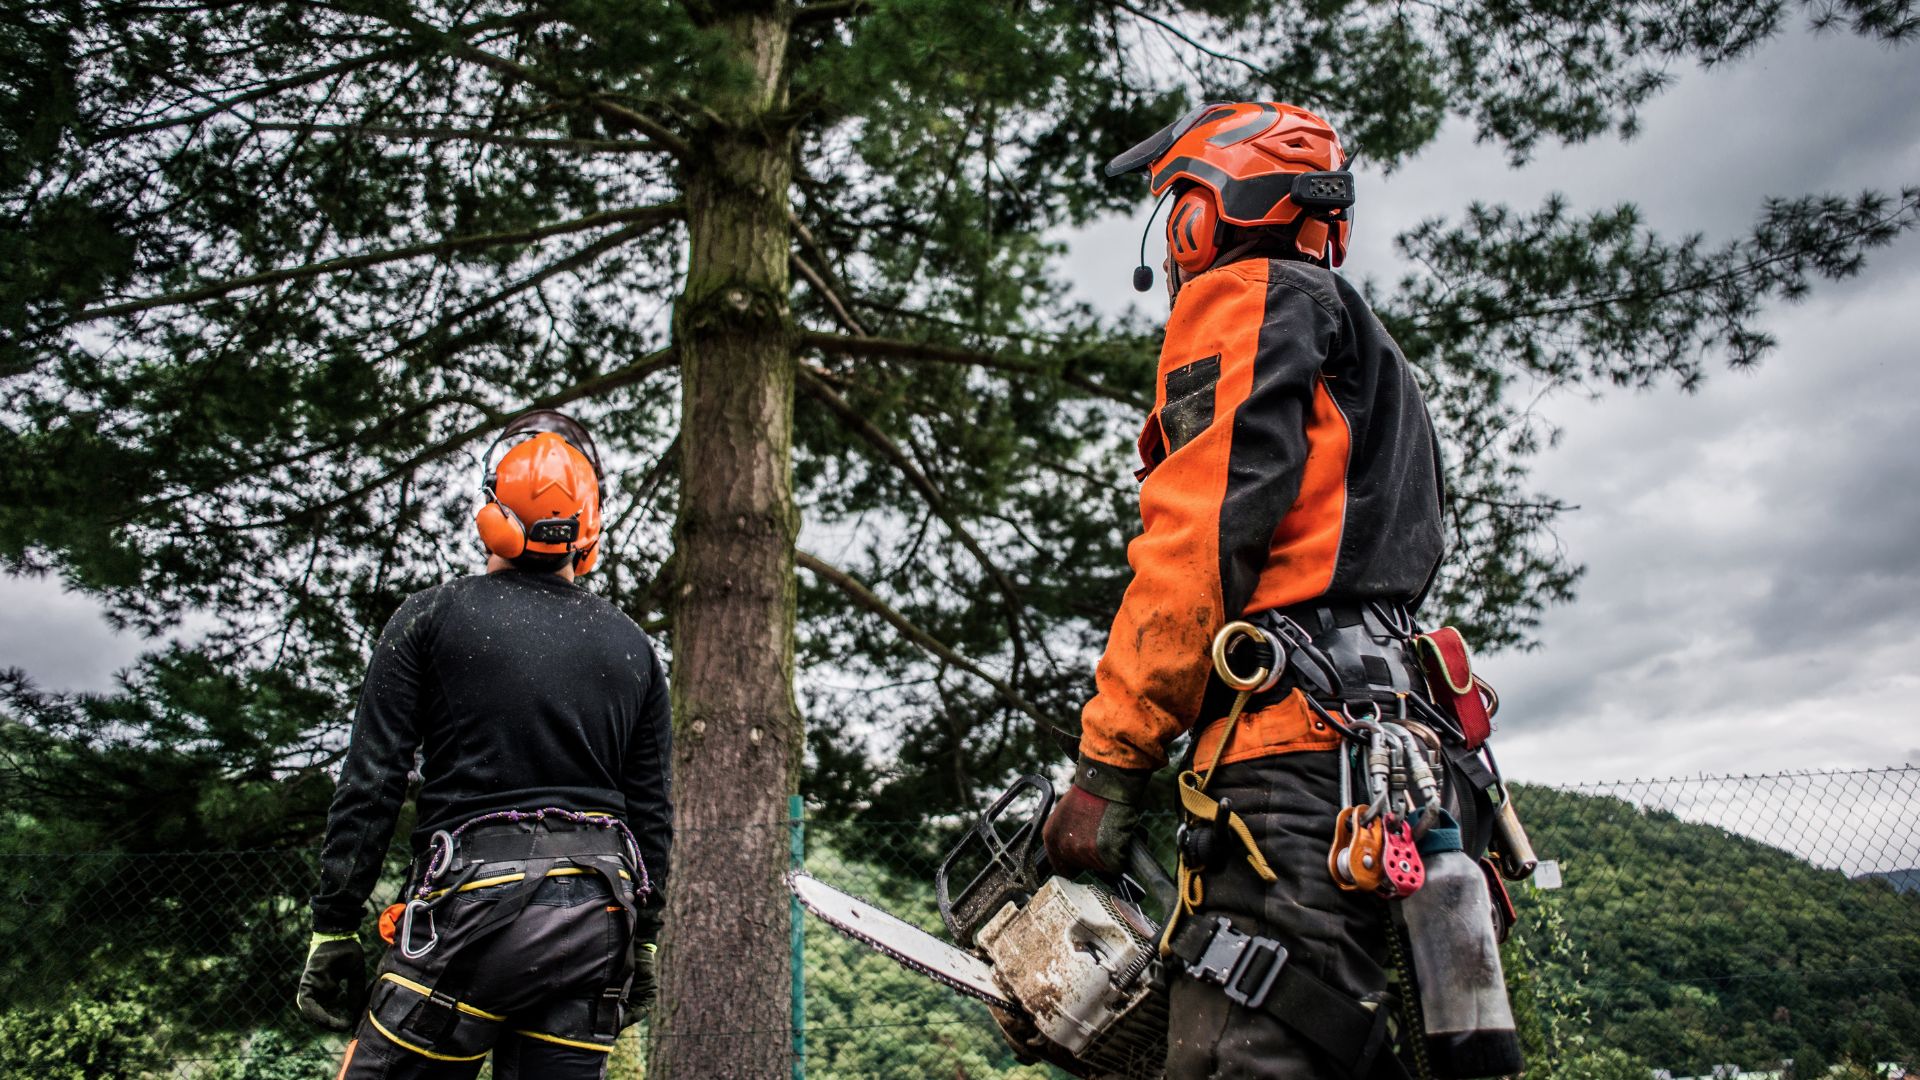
column 1369, row 722
column 439, row 848
column 1264, row 678
column 406, row 930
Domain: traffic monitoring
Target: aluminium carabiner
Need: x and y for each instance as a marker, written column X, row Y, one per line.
column 406, row 930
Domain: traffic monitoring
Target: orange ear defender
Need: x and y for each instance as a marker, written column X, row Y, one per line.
column 500, row 530
column 1193, row 231
column 543, row 498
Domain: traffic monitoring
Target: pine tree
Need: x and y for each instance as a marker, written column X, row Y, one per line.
column 273, row 273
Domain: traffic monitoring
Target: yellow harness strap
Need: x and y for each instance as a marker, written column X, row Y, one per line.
column 1194, row 800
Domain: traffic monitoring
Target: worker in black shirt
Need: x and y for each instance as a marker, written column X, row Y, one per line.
column 539, row 714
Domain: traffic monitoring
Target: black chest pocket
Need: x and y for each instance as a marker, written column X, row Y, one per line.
column 1189, row 407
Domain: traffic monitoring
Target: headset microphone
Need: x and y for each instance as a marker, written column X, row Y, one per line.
column 1143, row 274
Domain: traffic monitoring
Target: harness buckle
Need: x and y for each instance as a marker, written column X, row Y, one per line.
column 1231, row 960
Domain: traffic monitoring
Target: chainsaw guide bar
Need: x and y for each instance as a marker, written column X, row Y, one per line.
column 908, row 945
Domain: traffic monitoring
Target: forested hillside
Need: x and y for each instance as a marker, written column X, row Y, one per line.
column 1704, row 947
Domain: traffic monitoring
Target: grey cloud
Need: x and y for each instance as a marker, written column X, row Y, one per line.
column 60, row 638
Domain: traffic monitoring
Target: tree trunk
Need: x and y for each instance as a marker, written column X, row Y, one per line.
column 724, row 1005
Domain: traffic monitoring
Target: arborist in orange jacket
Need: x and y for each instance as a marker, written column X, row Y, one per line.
column 1289, row 471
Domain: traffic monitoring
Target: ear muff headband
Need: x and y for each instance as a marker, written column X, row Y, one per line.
column 501, row 530
column 1193, row 231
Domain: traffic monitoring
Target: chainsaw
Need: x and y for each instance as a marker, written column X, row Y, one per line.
column 1070, row 969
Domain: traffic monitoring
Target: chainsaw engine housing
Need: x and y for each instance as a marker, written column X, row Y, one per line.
column 1082, row 963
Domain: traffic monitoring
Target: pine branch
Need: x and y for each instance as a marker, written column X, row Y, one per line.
column 827, row 293
column 376, row 258
column 935, row 499
column 867, row 599
column 553, row 269
column 1902, row 217
column 1260, row 73
column 604, row 383
column 829, row 11
column 432, row 134
column 897, row 349
column 664, row 137
column 265, row 90
column 899, row 459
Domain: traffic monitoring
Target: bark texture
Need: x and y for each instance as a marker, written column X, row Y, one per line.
column 724, row 1008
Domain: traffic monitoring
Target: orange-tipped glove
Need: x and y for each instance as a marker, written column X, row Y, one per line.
column 1093, row 823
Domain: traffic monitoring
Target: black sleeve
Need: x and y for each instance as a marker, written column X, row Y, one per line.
column 373, row 782
column 646, row 780
column 1272, row 438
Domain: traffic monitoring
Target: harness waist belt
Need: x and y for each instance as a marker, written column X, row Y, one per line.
column 1363, row 646
column 518, row 841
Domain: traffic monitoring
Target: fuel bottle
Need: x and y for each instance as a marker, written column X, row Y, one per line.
column 1456, row 965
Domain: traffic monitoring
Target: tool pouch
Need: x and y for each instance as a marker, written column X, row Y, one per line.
column 1450, row 679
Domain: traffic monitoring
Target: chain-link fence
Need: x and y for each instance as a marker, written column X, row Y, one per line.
column 1732, row 923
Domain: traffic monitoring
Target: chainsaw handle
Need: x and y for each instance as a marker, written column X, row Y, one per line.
column 1150, row 875
column 1012, row 863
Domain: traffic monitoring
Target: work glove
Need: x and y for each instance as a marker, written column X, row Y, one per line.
column 646, row 932
column 1092, row 824
column 333, row 988
column 645, row 987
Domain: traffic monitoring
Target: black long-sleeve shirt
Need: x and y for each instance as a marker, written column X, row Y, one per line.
column 523, row 691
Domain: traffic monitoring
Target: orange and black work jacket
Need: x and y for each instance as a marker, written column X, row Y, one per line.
column 1289, row 457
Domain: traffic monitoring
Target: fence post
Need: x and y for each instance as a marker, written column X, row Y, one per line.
column 797, row 834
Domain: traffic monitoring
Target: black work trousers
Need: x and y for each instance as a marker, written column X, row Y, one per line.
column 529, row 997
column 1289, row 802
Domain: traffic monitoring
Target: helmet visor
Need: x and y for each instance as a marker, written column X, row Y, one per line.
column 558, row 423
column 1149, row 150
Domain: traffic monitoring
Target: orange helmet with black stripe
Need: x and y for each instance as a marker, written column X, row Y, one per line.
column 543, row 498
column 1248, row 164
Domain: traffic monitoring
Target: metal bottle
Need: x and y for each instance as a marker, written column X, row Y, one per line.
column 1456, row 964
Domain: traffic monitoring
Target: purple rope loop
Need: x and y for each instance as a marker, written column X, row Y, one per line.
column 442, row 856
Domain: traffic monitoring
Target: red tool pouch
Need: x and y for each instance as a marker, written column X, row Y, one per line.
column 1443, row 656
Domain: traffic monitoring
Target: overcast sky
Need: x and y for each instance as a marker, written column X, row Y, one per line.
column 1753, row 594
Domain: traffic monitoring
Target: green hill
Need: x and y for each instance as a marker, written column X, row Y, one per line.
column 1704, row 947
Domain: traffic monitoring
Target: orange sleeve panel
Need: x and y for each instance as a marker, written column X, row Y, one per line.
column 1241, row 510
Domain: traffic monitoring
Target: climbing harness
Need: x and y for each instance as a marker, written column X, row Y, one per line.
column 1419, row 795
column 440, row 857
column 511, row 852
column 1253, row 971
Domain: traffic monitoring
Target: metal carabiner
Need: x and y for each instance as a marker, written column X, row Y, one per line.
column 406, row 930
column 1264, row 678
column 1422, row 790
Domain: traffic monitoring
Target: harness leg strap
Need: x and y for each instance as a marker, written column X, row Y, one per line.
column 1253, row 971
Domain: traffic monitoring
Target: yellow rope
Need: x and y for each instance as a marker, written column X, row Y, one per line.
column 1194, row 801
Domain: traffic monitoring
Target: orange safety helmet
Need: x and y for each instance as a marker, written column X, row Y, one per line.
column 1251, row 163
column 544, row 496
